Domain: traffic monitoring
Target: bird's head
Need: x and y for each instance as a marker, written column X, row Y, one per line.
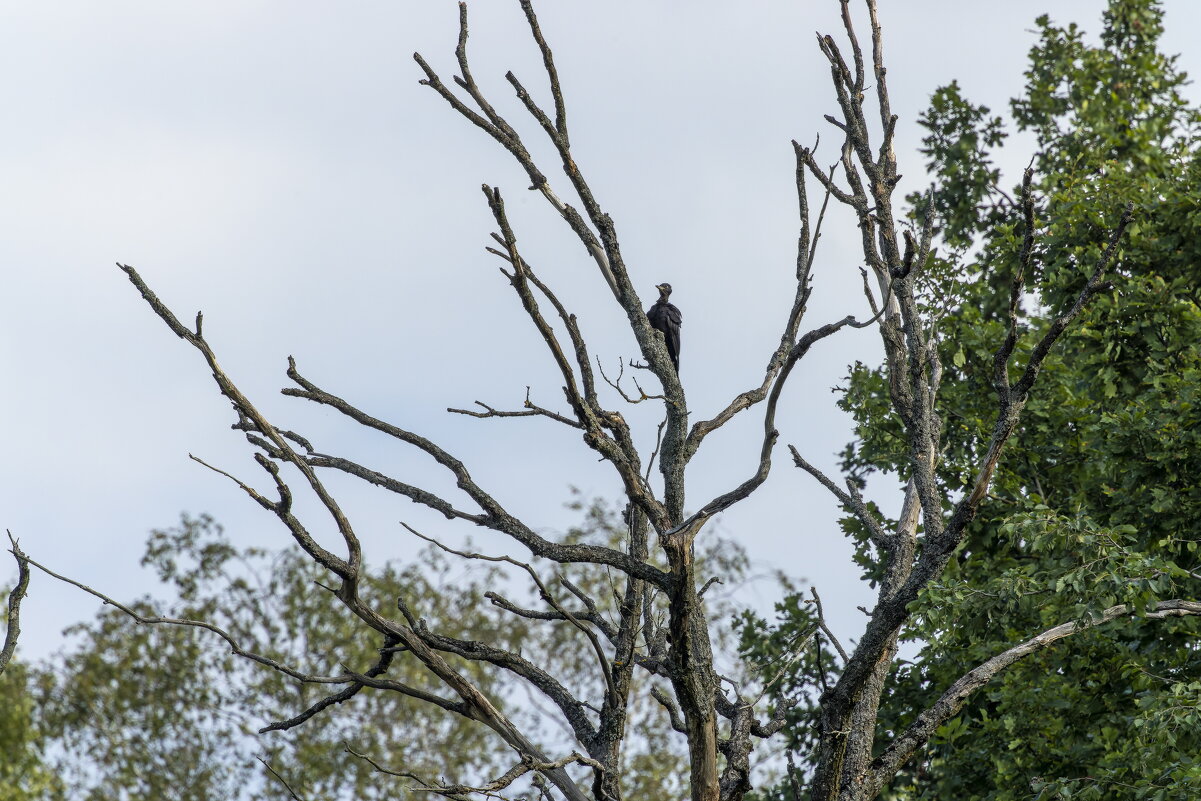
column 664, row 289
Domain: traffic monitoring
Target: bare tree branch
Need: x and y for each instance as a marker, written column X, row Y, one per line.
column 544, row 593
column 603, row 625
column 688, row 529
column 380, row 667
column 549, row 62
column 673, row 711
column 346, row 569
column 616, row 384
column 492, row 788
column 402, row 774
column 531, row 410
column 495, row 516
column 855, row 504
column 275, row 773
column 234, row 646
column 806, row 251
column 15, row 596
column 821, row 622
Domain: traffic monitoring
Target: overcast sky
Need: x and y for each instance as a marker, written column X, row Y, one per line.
column 278, row 166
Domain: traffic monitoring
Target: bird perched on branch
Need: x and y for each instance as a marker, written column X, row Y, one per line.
column 666, row 318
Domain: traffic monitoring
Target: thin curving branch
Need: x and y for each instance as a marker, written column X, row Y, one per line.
column 492, row 788
column 673, row 711
column 402, row 774
column 615, row 383
column 573, row 710
column 457, row 707
column 386, row 655
column 853, row 503
column 806, row 252
column 280, row 779
column 885, row 766
column 543, row 592
column 230, row 640
column 688, row 529
column 604, row 626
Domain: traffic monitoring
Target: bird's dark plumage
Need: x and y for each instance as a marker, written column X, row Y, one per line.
column 666, row 318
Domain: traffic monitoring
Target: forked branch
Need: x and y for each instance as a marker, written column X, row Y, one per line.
column 15, row 596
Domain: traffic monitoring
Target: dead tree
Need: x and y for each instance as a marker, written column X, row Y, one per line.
column 721, row 726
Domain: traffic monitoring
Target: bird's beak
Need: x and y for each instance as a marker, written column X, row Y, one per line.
column 659, row 287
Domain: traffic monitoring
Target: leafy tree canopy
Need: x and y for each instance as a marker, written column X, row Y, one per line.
column 1096, row 500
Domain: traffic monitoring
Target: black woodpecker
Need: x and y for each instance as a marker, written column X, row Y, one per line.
column 666, row 318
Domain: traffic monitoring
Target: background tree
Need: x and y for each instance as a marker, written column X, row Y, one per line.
column 24, row 773
column 1095, row 501
column 661, row 629
column 150, row 712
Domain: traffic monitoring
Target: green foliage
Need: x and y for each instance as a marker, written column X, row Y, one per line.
column 24, row 773
column 133, row 711
column 1097, row 495
column 152, row 712
column 960, row 137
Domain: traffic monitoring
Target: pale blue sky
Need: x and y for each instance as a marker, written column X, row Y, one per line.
column 277, row 165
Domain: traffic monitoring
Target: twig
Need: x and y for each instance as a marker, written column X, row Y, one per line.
column 658, row 444
column 200, row 624
column 642, row 396
column 400, row 774
column 275, row 773
column 531, row 410
column 491, row 789
column 821, row 621
column 852, row 502
column 386, row 655
column 504, row 603
column 602, row 660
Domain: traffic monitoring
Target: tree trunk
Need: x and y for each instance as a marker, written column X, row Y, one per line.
column 690, row 662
